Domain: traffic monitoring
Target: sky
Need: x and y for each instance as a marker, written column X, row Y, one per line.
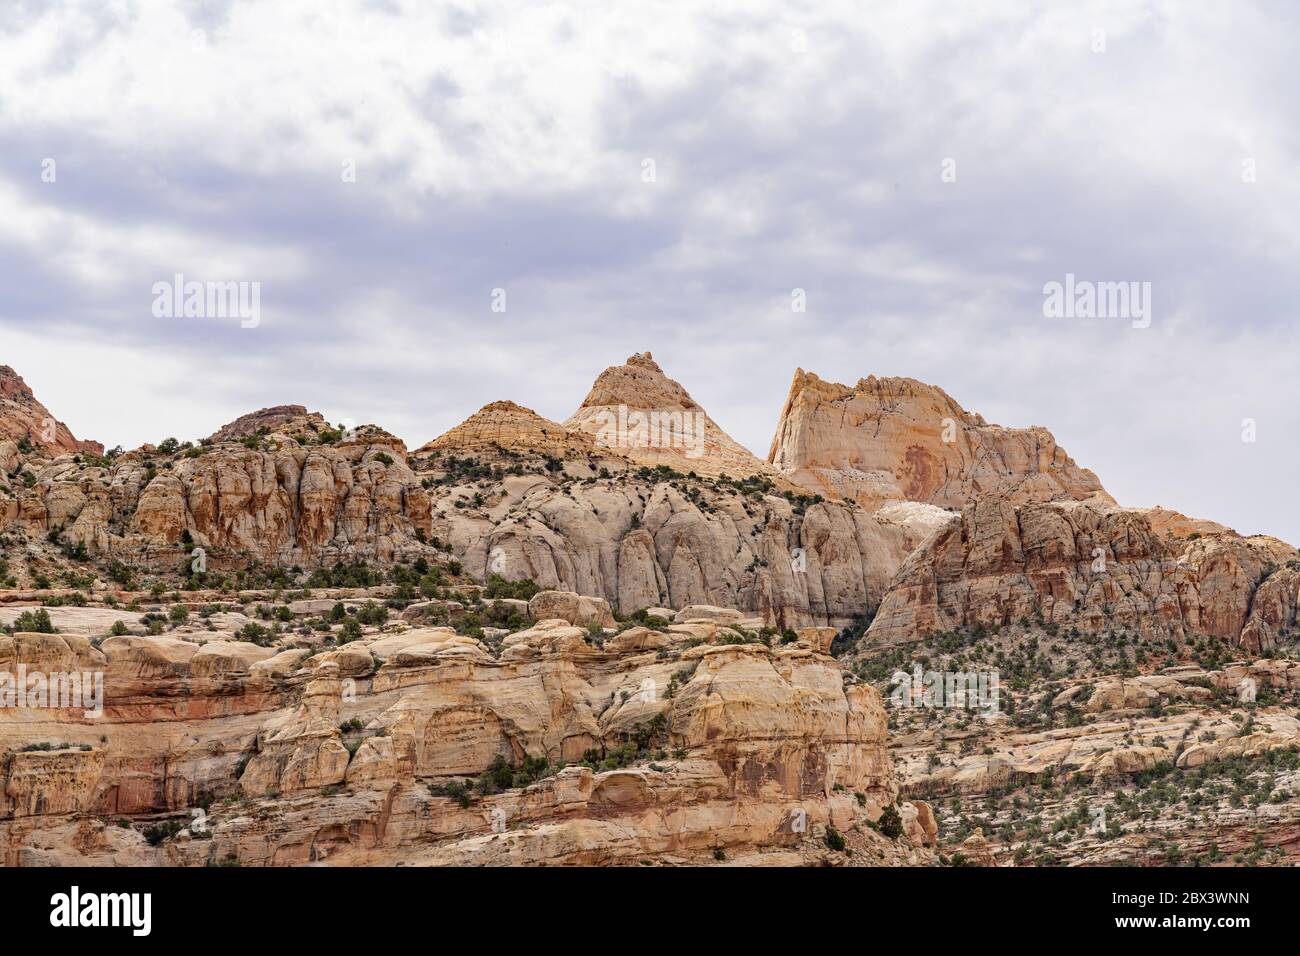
column 442, row 205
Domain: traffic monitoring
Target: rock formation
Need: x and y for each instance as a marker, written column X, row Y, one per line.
column 608, row 642
column 897, row 439
column 268, row 418
column 504, row 427
column 1091, row 566
column 637, row 410
column 522, row 497
column 682, row 743
column 280, row 500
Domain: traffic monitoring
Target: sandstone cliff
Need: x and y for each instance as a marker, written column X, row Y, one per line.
column 897, row 439
column 276, row 499
column 1091, row 566
column 424, row 745
column 517, row 495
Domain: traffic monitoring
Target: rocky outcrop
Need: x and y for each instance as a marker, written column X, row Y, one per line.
column 269, row 418
column 1086, row 565
column 285, row 501
column 1274, row 619
column 23, row 418
column 673, row 541
column 574, row 608
column 897, row 439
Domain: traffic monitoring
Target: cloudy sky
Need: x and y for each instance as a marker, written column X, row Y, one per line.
column 662, row 176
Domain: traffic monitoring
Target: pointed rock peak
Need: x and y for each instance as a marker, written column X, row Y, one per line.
column 636, row 410
column 638, row 383
column 24, row 419
column 898, row 439
column 508, row 426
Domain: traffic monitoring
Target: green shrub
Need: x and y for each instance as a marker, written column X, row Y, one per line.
column 372, row 614
column 254, row 633
column 37, row 621
column 890, row 823
column 499, row 587
column 834, row 839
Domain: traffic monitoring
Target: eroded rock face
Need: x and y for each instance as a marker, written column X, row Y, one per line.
column 673, row 542
column 897, row 439
column 1275, row 613
column 286, row 502
column 507, row 491
column 1087, row 565
column 574, row 516
column 756, row 746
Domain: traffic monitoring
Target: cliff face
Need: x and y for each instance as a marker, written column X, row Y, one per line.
column 284, row 501
column 22, row 417
column 549, row 503
column 897, row 439
column 1091, row 566
column 368, row 752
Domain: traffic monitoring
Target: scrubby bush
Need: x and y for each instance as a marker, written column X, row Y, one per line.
column 37, row 621
column 522, row 590
column 834, row 839
column 891, row 823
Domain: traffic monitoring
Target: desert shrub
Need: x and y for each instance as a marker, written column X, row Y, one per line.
column 37, row 620
column 372, row 614
column 499, row 587
column 254, row 633
column 834, row 839
column 160, row 832
column 891, row 823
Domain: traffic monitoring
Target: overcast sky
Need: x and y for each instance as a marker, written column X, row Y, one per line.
column 919, row 169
